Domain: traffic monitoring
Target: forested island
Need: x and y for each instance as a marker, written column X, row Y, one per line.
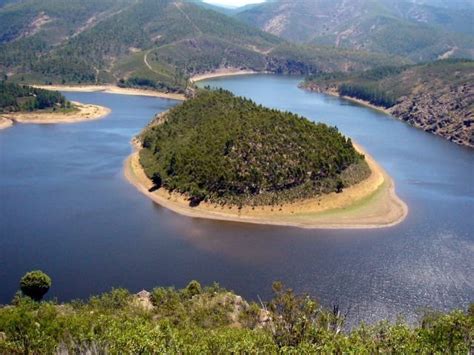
column 437, row 97
column 23, row 103
column 229, row 150
column 221, row 156
column 212, row 320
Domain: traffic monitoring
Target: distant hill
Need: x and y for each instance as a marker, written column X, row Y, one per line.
column 415, row 29
column 437, row 97
column 229, row 150
column 153, row 43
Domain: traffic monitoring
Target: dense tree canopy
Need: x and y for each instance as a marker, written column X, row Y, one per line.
column 15, row 97
column 230, row 150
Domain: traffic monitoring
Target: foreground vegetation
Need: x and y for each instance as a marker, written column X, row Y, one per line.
column 212, row 320
column 434, row 96
column 228, row 149
column 14, row 98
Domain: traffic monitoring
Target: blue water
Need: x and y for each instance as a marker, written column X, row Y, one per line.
column 66, row 208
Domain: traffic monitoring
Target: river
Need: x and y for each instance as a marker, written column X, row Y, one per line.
column 67, row 209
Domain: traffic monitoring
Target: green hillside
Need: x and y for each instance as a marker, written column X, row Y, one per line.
column 418, row 31
column 228, row 149
column 14, row 98
column 153, row 43
column 437, row 97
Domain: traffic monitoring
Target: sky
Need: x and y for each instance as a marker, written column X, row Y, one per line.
column 233, row 3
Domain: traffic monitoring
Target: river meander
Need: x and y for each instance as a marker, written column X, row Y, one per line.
column 67, row 209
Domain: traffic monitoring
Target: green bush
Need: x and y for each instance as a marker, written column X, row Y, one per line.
column 206, row 324
column 193, row 289
column 35, row 284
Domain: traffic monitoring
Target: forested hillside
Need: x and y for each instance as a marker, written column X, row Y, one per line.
column 14, row 98
column 437, row 97
column 154, row 43
column 418, row 31
column 229, row 150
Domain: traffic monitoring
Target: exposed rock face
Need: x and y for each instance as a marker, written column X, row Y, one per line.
column 415, row 30
column 143, row 300
column 447, row 113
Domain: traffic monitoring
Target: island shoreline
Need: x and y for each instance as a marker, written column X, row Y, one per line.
column 383, row 207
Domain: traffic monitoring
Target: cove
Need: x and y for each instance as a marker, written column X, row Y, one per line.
column 67, row 209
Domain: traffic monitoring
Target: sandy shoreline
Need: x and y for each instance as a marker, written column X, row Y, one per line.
column 221, row 73
column 111, row 89
column 87, row 112
column 369, row 204
column 5, row 122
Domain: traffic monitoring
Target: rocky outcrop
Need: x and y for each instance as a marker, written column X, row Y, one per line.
column 143, row 300
column 445, row 112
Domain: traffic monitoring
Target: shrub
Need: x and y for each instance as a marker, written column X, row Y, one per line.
column 193, row 289
column 35, row 284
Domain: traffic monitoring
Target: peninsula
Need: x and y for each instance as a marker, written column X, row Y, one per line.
column 26, row 104
column 223, row 157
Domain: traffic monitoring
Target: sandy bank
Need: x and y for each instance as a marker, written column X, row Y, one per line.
column 370, row 204
column 111, row 89
column 365, row 103
column 84, row 112
column 5, row 122
column 221, row 73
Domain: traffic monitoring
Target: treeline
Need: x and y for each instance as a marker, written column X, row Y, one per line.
column 146, row 83
column 229, row 150
column 14, row 97
column 371, row 85
column 385, row 86
column 368, row 93
column 212, row 320
column 366, row 87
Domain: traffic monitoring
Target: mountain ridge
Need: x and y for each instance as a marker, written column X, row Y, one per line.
column 156, row 43
column 418, row 31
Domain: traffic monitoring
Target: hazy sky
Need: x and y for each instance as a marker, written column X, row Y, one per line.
column 233, row 2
